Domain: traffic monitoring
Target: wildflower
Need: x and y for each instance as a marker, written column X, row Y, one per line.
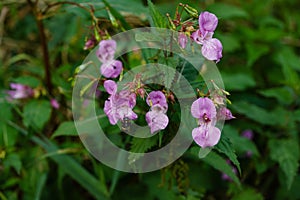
column 20, row 91
column 182, row 39
column 206, row 135
column 249, row 135
column 90, row 43
column 111, row 69
column 106, row 51
column 211, row 47
column 225, row 114
column 156, row 118
column 54, row 103
column 120, row 104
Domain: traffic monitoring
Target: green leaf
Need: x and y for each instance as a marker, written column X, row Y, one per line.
column 157, row 18
column 255, row 51
column 28, row 80
column 65, row 129
column 238, row 81
column 36, row 113
column 220, row 163
column 74, row 170
column 226, row 11
column 286, row 153
column 225, row 146
column 248, row 194
column 283, row 94
column 13, row 160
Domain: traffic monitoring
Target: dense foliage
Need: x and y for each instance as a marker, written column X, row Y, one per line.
column 43, row 43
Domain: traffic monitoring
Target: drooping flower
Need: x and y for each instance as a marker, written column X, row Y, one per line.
column 120, row 104
column 157, row 97
column 106, row 51
column 54, row 103
column 225, row 114
column 156, row 118
column 211, row 47
column 182, row 40
column 20, row 91
column 206, row 135
column 111, row 69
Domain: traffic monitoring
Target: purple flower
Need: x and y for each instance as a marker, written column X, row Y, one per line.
column 211, row 47
column 119, row 105
column 90, row 43
column 20, row 91
column 106, row 51
column 206, row 135
column 182, row 39
column 225, row 114
column 207, row 22
column 156, row 118
column 248, row 134
column 111, row 69
column 204, row 110
column 54, row 103
column 157, row 97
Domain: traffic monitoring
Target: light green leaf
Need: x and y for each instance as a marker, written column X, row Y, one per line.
column 248, row 194
column 255, row 51
column 36, row 113
column 157, row 18
column 286, row 153
column 66, row 129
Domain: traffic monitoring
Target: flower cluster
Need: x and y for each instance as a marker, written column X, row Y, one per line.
column 156, row 117
column 110, row 68
column 120, row 104
column 211, row 47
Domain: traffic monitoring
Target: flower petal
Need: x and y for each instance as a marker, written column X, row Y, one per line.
column 157, row 97
column 111, row 69
column 212, row 49
column 206, row 136
column 106, row 51
column 203, row 107
column 157, row 121
column 110, row 86
column 207, row 22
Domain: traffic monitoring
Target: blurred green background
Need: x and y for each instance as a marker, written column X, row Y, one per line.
column 41, row 156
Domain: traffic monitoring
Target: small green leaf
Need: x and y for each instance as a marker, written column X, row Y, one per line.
column 255, row 51
column 283, row 94
column 28, row 80
column 238, row 81
column 248, row 194
column 226, row 11
column 286, row 153
column 36, row 113
column 158, row 19
column 13, row 160
column 225, row 146
column 66, row 129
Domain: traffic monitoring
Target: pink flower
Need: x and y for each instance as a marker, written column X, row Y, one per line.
column 20, row 91
column 106, row 51
column 54, row 103
column 204, row 109
column 182, row 39
column 156, row 118
column 211, row 47
column 119, row 105
column 206, row 135
column 157, row 97
column 111, row 69
column 90, row 43
column 248, row 134
column 225, row 114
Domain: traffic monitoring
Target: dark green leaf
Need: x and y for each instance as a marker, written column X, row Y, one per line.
column 65, row 129
column 286, row 153
column 157, row 18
